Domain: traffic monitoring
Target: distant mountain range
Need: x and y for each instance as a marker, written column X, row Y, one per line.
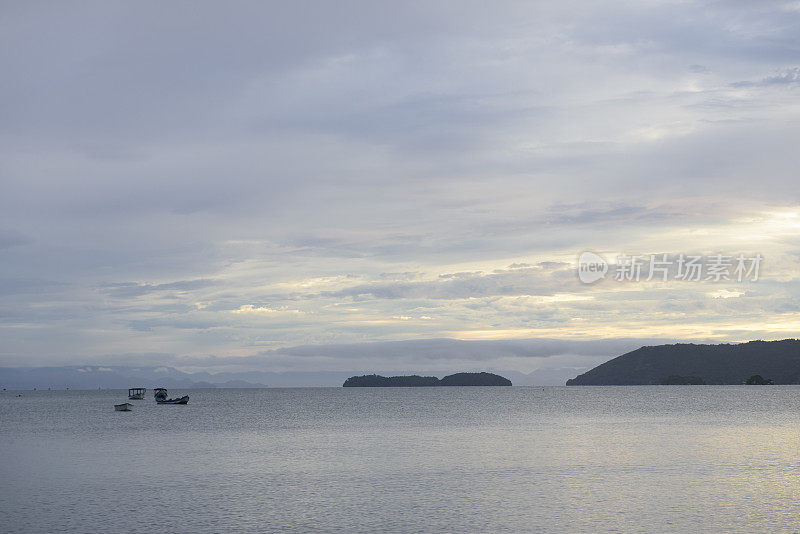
column 712, row 364
column 116, row 377
column 778, row 361
column 123, row 377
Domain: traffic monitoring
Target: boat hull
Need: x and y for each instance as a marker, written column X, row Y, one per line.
column 180, row 400
column 124, row 407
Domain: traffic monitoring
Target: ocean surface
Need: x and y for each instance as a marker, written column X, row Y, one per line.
column 445, row 459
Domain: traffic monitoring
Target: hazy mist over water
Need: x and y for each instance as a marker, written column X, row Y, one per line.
column 588, row 459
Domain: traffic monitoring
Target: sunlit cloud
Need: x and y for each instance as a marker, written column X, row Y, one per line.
column 263, row 310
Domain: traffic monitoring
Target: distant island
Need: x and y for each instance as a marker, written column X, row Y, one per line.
column 377, row 381
column 458, row 379
column 758, row 380
column 688, row 363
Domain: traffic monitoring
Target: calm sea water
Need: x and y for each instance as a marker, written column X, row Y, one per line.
column 556, row 459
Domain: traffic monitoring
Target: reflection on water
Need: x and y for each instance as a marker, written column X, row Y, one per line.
column 632, row 459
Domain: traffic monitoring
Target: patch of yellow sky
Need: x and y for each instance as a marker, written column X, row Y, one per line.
column 774, row 327
column 265, row 310
column 760, row 231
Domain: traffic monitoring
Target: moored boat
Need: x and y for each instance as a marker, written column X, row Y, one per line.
column 136, row 393
column 124, row 407
column 161, row 397
column 179, row 400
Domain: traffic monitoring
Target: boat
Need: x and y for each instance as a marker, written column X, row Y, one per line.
column 179, row 400
column 124, row 407
column 161, row 397
column 136, row 393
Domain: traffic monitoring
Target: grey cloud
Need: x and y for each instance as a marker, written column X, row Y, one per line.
column 9, row 239
column 519, row 281
column 407, row 275
column 147, row 325
column 413, row 354
column 420, row 123
column 461, row 276
column 434, row 349
column 135, row 289
column 20, row 286
column 708, row 34
column 587, row 214
column 789, row 76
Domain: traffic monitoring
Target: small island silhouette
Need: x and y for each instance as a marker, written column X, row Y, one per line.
column 458, row 379
column 678, row 380
column 758, row 380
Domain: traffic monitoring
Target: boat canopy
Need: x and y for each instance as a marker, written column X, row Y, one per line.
column 135, row 391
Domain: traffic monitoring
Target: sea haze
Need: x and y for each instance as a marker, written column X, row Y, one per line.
column 117, row 377
column 457, row 459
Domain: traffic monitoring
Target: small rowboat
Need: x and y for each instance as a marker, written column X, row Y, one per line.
column 124, row 407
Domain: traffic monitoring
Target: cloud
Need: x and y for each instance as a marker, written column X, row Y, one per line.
column 135, row 289
column 241, row 179
column 18, row 286
column 585, row 214
column 537, row 280
column 432, row 349
column 9, row 239
column 264, row 310
column 788, row 76
column 415, row 355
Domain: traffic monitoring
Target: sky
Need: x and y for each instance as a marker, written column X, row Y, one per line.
column 351, row 185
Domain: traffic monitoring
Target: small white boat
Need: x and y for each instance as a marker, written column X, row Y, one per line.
column 124, row 407
column 136, row 393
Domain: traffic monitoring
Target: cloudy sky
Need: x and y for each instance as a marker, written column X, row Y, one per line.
column 294, row 183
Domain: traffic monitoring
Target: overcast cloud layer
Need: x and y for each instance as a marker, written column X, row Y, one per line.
column 204, row 181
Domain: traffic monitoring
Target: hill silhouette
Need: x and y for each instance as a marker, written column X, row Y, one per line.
column 778, row 361
column 390, row 381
